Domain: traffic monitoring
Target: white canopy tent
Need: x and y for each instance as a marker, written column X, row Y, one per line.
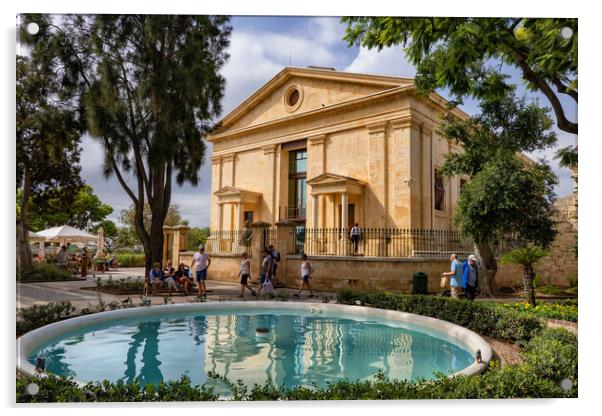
column 67, row 234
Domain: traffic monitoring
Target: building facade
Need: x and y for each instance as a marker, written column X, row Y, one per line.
column 327, row 149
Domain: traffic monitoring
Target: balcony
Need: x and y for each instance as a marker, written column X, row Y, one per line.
column 291, row 213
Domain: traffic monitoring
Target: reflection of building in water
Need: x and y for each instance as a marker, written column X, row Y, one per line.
column 148, row 332
column 304, row 350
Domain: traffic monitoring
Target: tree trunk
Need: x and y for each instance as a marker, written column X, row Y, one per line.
column 528, row 280
column 23, row 249
column 487, row 269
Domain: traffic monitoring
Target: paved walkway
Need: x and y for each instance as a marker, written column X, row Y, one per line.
column 29, row 294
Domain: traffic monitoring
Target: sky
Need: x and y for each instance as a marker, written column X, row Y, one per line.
column 259, row 48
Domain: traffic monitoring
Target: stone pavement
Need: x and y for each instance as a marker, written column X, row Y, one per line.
column 29, row 294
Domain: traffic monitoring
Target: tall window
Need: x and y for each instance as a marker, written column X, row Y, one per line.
column 297, row 186
column 439, row 192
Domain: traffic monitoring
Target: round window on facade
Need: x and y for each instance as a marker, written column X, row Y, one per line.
column 293, row 97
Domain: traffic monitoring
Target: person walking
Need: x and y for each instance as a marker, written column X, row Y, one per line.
column 470, row 277
column 306, row 271
column 275, row 260
column 61, row 258
column 265, row 274
column 200, row 263
column 84, row 263
column 354, row 236
column 245, row 272
column 455, row 276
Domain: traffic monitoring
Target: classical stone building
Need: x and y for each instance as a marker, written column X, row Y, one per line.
column 326, row 148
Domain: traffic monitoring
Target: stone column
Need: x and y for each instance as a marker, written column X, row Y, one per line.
column 285, row 244
column 378, row 205
column 344, row 210
column 216, row 185
column 220, row 212
column 257, row 244
column 426, row 176
column 269, row 182
column 315, row 211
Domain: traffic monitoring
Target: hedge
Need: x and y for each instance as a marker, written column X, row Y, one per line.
column 130, row 260
column 43, row 272
column 484, row 318
column 550, row 357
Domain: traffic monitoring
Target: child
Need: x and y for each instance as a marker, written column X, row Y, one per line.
column 265, row 279
column 306, row 271
column 245, row 272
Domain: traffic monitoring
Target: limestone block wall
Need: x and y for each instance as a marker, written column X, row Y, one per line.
column 562, row 264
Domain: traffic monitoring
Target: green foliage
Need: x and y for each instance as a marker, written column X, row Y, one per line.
column 483, row 318
column 127, row 218
column 524, row 256
column 567, row 157
column 197, row 236
column 567, row 311
column 42, row 272
column 149, row 87
column 550, row 357
column 130, row 259
column 127, row 285
column 465, row 55
column 55, row 389
column 37, row 316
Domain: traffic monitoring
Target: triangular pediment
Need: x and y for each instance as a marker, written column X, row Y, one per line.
column 333, row 183
column 230, row 194
column 316, row 88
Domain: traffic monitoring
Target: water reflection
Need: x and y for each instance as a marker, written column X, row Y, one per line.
column 298, row 350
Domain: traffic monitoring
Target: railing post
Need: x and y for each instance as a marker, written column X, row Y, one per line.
column 285, row 244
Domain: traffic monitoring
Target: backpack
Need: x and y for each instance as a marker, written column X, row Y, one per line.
column 276, row 256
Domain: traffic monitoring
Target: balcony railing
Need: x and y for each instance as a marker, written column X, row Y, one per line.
column 292, row 212
column 385, row 242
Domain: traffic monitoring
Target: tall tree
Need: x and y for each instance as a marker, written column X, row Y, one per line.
column 127, row 217
column 507, row 194
column 48, row 130
column 466, row 54
column 79, row 208
column 150, row 86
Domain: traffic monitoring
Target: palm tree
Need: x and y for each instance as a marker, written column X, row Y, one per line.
column 526, row 257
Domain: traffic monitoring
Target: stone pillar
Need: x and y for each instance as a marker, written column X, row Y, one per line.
column 316, row 156
column 344, row 210
column 377, row 173
column 216, row 185
column 426, row 177
column 315, row 211
column 285, row 244
column 228, row 177
column 257, row 243
column 407, row 155
column 269, row 182
column 220, row 212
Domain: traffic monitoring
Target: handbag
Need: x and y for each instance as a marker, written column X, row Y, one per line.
column 443, row 281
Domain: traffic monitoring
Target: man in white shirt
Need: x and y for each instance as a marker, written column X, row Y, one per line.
column 200, row 263
column 354, row 236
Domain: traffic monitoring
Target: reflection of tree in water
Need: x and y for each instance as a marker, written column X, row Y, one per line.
column 55, row 360
column 148, row 332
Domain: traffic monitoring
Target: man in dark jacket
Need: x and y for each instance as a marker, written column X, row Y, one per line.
column 470, row 277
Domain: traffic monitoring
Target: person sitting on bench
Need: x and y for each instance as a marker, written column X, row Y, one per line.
column 169, row 273
column 183, row 278
column 155, row 278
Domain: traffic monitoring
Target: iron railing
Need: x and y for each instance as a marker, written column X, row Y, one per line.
column 385, row 242
column 291, row 212
column 229, row 242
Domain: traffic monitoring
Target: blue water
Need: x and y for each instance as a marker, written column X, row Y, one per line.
column 299, row 350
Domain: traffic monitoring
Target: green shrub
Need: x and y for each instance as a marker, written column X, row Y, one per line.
column 56, row 389
column 130, row 260
column 565, row 310
column 483, row 318
column 127, row 285
column 36, row 316
column 43, row 272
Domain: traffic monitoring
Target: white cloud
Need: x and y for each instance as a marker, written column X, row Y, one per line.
column 388, row 61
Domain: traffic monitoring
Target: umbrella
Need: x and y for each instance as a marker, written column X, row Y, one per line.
column 66, row 233
column 101, row 242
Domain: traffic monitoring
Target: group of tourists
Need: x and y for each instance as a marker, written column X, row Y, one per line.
column 462, row 276
column 173, row 280
column 267, row 273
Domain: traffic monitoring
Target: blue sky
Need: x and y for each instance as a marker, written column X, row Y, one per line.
column 260, row 47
